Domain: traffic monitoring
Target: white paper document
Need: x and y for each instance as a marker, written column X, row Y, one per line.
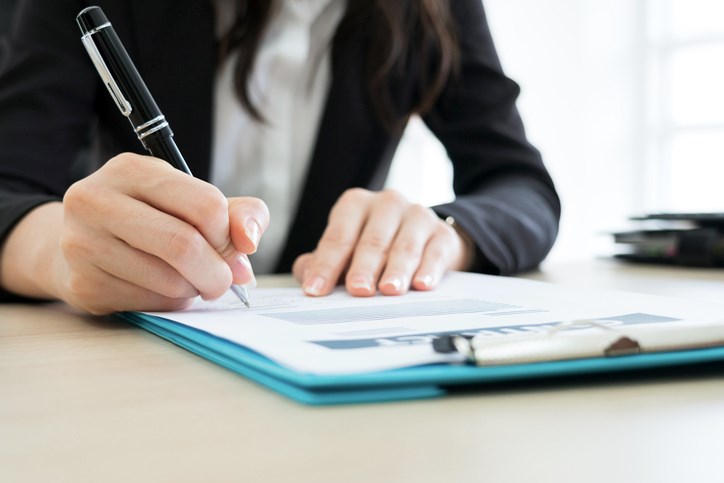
column 341, row 334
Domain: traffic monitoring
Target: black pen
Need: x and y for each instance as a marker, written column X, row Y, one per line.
column 131, row 95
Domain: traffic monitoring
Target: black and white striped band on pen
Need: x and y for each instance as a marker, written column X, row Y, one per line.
column 150, row 127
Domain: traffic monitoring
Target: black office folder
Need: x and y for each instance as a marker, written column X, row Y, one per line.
column 686, row 239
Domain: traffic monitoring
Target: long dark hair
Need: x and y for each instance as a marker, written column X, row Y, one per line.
column 400, row 34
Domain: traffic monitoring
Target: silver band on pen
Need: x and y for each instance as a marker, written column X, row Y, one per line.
column 150, row 127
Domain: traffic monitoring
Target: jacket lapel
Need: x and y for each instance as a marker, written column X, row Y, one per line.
column 177, row 56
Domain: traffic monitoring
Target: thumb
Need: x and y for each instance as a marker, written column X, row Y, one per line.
column 248, row 219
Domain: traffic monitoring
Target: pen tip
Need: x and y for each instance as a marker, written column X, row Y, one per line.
column 242, row 294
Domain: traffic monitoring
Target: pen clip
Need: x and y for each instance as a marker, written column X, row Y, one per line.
column 105, row 74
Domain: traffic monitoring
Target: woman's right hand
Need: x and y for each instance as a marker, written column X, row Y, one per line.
column 139, row 235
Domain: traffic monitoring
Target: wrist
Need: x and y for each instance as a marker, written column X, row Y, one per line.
column 468, row 248
column 29, row 254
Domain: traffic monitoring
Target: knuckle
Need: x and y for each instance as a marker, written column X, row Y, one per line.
column 80, row 291
column 351, row 197
column 125, row 162
column 419, row 211
column 337, row 237
column 184, row 243
column 406, row 247
column 393, row 198
column 373, row 242
column 322, row 266
column 80, row 195
column 116, row 162
column 176, row 287
column 72, row 194
column 354, row 195
column 212, row 205
column 435, row 255
column 76, row 249
column 69, row 245
column 351, row 201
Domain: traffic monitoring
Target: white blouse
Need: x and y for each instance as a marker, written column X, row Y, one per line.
column 289, row 84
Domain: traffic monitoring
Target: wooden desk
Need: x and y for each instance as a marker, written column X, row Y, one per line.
column 88, row 399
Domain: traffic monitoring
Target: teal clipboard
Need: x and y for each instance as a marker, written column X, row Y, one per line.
column 417, row 382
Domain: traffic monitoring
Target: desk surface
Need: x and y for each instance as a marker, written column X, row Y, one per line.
column 84, row 398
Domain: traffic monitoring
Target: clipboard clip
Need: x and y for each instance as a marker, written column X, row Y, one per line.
column 550, row 345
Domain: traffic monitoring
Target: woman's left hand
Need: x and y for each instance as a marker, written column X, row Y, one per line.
column 381, row 241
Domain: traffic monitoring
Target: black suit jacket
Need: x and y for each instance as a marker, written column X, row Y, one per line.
column 52, row 104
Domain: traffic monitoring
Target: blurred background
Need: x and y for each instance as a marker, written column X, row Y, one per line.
column 624, row 98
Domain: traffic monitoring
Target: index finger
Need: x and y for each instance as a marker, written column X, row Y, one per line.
column 335, row 248
column 198, row 203
column 194, row 201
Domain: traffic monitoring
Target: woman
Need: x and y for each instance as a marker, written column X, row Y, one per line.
column 299, row 102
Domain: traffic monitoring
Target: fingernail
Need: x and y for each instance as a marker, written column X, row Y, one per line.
column 247, row 264
column 252, row 231
column 314, row 287
column 395, row 283
column 360, row 282
column 241, row 269
column 425, row 280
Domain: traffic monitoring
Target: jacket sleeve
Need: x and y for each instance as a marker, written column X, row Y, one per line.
column 46, row 96
column 505, row 199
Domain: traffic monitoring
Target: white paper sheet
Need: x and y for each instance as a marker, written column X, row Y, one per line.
column 340, row 334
